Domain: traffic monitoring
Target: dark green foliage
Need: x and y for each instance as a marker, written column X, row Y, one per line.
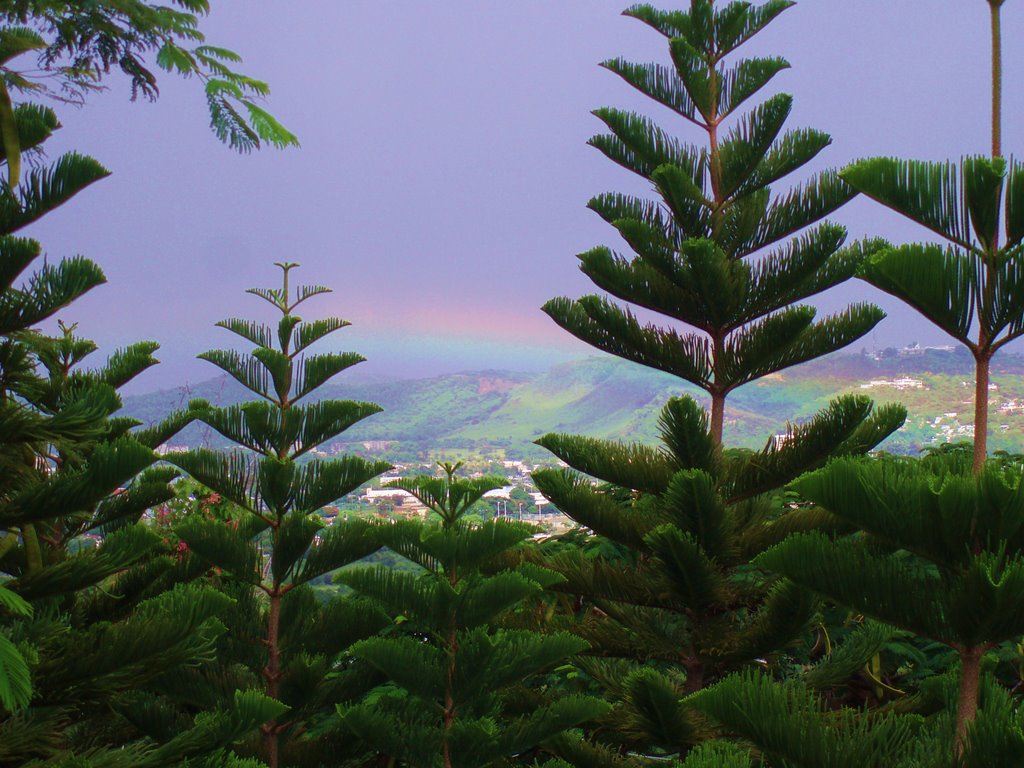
column 681, row 592
column 789, row 725
column 970, row 286
column 939, row 554
column 86, row 629
column 679, row 603
column 274, row 542
column 76, row 45
column 451, row 674
column 700, row 253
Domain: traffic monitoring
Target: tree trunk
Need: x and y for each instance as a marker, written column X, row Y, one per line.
column 449, row 700
column 717, row 418
column 981, row 381
column 33, row 553
column 272, row 674
column 695, row 675
column 997, row 80
column 967, row 707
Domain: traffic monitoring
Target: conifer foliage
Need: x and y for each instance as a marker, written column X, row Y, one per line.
column 718, row 252
column 679, row 605
column 85, row 635
column 942, row 556
column 448, row 703
column 972, row 285
column 282, row 544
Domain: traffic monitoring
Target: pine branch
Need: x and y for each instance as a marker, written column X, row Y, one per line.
column 600, row 512
column 629, row 465
column 659, row 83
column 247, row 371
column 605, row 326
column 259, row 334
column 317, row 370
column 744, row 148
column 683, row 426
column 928, row 193
column 940, row 283
column 45, row 189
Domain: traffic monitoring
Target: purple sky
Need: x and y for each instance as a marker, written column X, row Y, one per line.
column 443, row 175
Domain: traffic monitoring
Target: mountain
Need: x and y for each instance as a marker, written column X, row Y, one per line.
column 500, row 413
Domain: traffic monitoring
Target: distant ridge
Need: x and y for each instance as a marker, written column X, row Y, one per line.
column 501, row 413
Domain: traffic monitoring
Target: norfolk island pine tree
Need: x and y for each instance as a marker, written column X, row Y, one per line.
column 76, row 45
column 283, row 544
column 689, row 515
column 105, row 623
column 970, row 287
column 451, row 671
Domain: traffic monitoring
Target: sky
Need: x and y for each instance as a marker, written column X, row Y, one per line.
column 441, row 186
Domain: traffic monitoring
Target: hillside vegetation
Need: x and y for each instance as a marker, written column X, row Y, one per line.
column 503, row 412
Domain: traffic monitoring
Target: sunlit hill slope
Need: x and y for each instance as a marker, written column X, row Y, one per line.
column 501, row 413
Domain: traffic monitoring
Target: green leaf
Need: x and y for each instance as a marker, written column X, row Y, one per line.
column 804, row 205
column 344, row 542
column 652, row 712
column 850, row 656
column 16, row 253
column 414, row 665
column 45, row 189
column 877, row 585
column 744, row 79
column 1014, row 204
column 806, row 266
column 9, row 137
column 222, row 728
column 693, row 71
column 983, row 192
column 48, row 291
column 247, row 371
column 120, row 550
column 790, row 152
column 172, row 58
column 292, row 540
column 15, row 41
column 927, row 193
column 321, row 482
column 488, row 661
column 940, row 283
column 14, row 603
column 317, row 370
column 216, row 543
column 309, row 333
column 692, row 503
column 780, row 619
column 685, row 199
column 268, row 128
column 258, row 333
column 607, row 327
column 15, row 678
column 805, row 447
column 788, row 725
column 683, row 426
column 600, row 512
column 266, row 428
column 735, row 23
column 659, row 83
column 630, row 465
column 744, row 148
column 279, row 367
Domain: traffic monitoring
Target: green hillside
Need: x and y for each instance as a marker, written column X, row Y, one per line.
column 500, row 413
